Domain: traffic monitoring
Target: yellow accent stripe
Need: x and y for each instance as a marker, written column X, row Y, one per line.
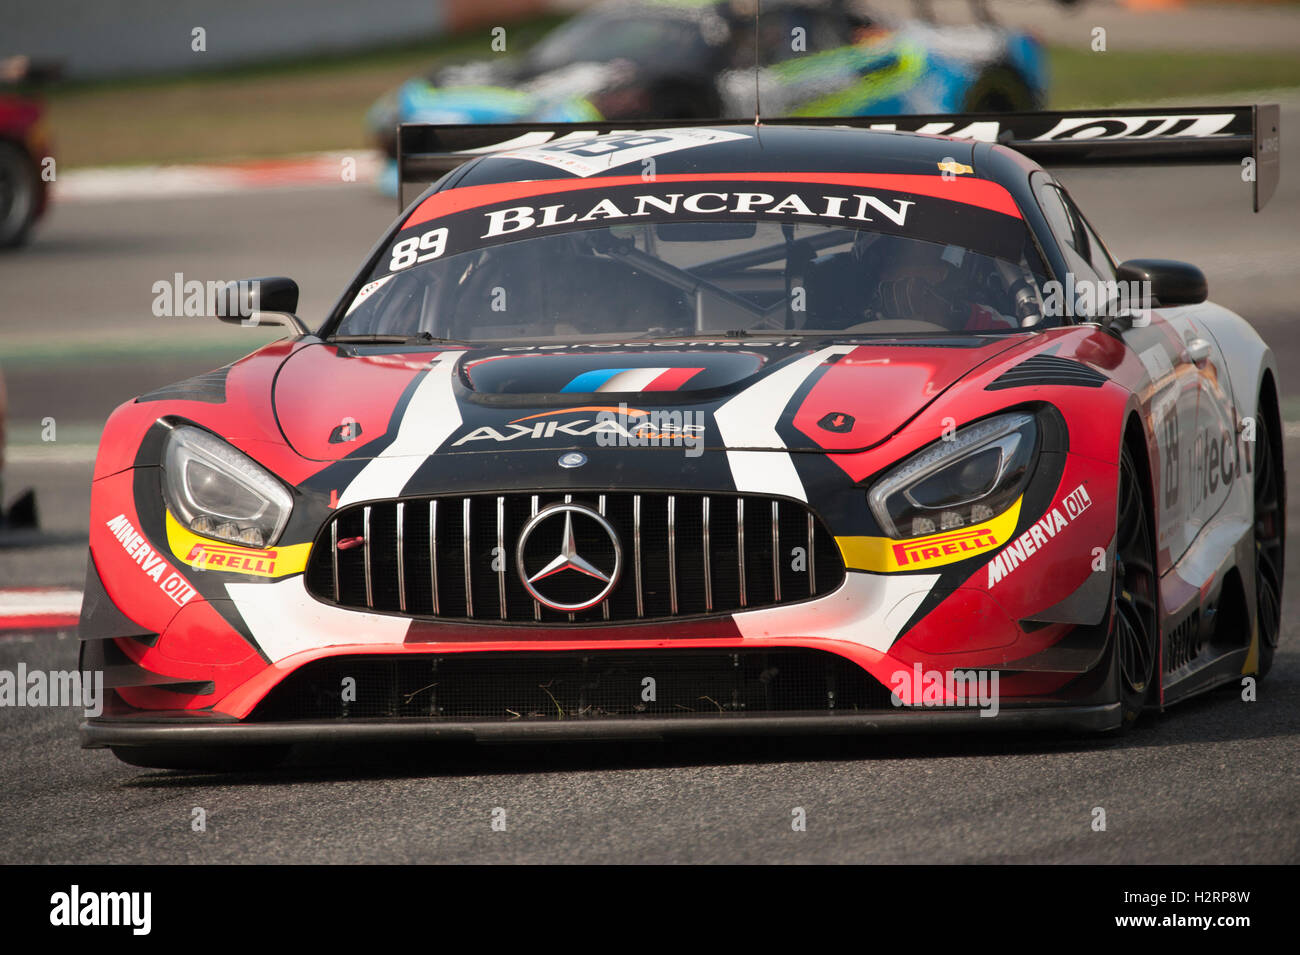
column 1251, row 663
column 213, row 554
column 884, row 555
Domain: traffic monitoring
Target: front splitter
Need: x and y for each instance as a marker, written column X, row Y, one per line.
column 132, row 733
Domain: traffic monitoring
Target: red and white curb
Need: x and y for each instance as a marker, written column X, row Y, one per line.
column 39, row 608
column 358, row 167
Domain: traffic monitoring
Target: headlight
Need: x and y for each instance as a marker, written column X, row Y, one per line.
column 219, row 492
column 965, row 479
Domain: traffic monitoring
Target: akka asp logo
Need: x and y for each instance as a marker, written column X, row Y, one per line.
column 616, row 421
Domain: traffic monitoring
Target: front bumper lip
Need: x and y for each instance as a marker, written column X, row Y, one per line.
column 1094, row 718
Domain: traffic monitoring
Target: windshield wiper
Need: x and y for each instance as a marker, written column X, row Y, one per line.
column 421, row 337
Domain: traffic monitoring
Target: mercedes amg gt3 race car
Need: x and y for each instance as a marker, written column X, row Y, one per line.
column 639, row 433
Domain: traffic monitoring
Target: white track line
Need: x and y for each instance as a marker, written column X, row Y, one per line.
column 169, row 182
column 52, row 453
column 38, row 608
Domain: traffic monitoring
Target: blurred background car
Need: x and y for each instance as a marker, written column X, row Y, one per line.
column 21, row 514
column 663, row 59
column 23, row 146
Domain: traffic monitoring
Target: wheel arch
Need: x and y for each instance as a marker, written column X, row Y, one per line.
column 1141, row 444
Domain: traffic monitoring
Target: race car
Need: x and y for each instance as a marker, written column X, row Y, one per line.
column 815, row 428
column 20, row 514
column 637, row 59
column 24, row 147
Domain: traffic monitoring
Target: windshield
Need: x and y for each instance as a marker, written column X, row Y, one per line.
column 682, row 274
column 646, row 39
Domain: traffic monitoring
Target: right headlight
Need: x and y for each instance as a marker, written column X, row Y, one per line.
column 219, row 492
column 963, row 479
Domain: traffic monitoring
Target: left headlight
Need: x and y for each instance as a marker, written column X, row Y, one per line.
column 219, row 492
column 967, row 478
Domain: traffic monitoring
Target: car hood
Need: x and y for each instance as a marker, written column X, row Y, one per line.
column 358, row 401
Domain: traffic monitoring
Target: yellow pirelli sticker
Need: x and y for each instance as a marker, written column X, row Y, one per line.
column 203, row 553
column 884, row 555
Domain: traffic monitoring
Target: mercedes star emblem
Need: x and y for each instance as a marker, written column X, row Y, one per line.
column 562, row 578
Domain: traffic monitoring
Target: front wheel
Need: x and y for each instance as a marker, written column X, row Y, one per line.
column 1135, row 620
column 1270, row 543
column 18, row 187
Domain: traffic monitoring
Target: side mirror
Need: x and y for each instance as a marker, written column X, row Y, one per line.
column 1172, row 283
column 266, row 301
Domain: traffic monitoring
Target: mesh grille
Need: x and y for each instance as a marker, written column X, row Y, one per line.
column 683, row 555
column 555, row 686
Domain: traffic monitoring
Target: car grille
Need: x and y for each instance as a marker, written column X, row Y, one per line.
column 685, row 555
column 613, row 684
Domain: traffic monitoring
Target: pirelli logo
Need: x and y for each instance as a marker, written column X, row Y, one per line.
column 964, row 543
column 884, row 555
column 203, row 553
column 237, row 559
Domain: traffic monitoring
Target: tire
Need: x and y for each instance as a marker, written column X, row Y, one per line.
column 210, row 759
column 18, row 189
column 1270, row 543
column 1000, row 89
column 1134, row 620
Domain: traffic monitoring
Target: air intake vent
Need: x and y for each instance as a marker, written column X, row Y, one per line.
column 1183, row 645
column 592, row 685
column 1048, row 370
column 209, row 387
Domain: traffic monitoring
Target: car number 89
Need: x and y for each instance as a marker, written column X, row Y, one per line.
column 418, row 249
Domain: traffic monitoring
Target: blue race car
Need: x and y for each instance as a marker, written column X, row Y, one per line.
column 675, row 60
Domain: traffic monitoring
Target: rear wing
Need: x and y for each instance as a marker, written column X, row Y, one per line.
column 1245, row 135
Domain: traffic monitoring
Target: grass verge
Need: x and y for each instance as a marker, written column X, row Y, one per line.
column 316, row 105
column 1083, row 78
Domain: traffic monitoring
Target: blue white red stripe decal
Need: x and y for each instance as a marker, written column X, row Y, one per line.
column 631, row 379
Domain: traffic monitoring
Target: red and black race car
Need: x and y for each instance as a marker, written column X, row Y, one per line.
column 639, row 433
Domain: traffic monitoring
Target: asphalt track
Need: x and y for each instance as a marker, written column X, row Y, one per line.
column 1215, row 780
